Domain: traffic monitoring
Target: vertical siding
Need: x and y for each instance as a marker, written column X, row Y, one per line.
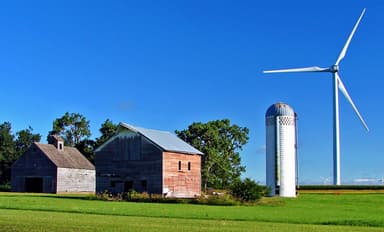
column 129, row 157
column 33, row 163
column 184, row 182
column 75, row 180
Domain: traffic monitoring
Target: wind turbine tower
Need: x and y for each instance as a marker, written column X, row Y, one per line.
column 337, row 85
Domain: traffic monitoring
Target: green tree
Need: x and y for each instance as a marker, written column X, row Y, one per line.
column 7, row 151
column 72, row 127
column 107, row 130
column 87, row 147
column 11, row 149
column 220, row 142
column 24, row 139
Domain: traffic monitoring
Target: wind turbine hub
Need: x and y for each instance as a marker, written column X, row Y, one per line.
column 334, row 68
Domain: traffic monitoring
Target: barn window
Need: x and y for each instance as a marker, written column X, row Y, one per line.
column 189, row 166
column 113, row 184
column 144, row 184
column 179, row 165
column 128, row 186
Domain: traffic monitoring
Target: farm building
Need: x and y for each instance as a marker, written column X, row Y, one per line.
column 53, row 168
column 151, row 161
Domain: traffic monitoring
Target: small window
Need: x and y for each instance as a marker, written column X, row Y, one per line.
column 113, row 184
column 144, row 184
column 128, row 186
column 179, row 165
column 60, row 146
column 189, row 166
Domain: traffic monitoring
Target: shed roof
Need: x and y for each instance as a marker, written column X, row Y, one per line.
column 70, row 157
column 164, row 139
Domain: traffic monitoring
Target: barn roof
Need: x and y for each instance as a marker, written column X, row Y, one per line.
column 70, row 157
column 164, row 139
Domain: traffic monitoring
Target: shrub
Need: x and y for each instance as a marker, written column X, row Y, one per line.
column 5, row 187
column 248, row 190
column 133, row 196
column 215, row 199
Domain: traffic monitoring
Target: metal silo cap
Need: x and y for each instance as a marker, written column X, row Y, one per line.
column 279, row 109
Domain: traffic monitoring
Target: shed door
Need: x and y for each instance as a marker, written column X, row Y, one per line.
column 34, row 184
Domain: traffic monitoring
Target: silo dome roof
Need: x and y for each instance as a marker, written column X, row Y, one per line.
column 279, row 109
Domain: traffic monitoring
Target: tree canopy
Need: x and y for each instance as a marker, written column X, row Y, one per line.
column 88, row 146
column 220, row 142
column 107, row 130
column 72, row 127
column 11, row 149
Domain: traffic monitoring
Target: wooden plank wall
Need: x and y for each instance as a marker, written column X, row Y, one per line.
column 33, row 163
column 129, row 158
column 181, row 183
column 75, row 180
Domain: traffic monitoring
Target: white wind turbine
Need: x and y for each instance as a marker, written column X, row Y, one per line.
column 337, row 84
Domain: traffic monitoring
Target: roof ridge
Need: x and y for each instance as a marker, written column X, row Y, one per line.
column 166, row 140
column 138, row 128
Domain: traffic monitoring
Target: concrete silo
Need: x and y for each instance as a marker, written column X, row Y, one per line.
column 281, row 140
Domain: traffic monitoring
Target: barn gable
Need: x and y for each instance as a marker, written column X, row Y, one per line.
column 165, row 140
column 148, row 161
column 68, row 157
column 33, row 153
column 52, row 168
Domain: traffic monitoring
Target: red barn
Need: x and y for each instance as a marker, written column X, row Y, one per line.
column 149, row 161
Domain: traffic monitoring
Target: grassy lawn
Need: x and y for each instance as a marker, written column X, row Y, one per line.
column 309, row 212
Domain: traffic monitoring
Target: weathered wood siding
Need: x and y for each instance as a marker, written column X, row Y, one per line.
column 33, row 163
column 129, row 159
column 75, row 180
column 181, row 182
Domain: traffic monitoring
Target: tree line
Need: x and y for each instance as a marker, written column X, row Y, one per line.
column 72, row 127
column 219, row 140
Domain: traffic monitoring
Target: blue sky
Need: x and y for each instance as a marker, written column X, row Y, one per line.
column 166, row 64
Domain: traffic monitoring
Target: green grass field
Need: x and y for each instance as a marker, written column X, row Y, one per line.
column 309, row 212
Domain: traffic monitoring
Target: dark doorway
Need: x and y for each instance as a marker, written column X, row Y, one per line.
column 144, row 185
column 128, row 186
column 34, row 184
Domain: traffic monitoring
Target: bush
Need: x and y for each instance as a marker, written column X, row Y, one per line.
column 248, row 190
column 133, row 196
column 5, row 187
column 220, row 199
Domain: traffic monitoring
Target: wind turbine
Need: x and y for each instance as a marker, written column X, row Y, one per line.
column 337, row 84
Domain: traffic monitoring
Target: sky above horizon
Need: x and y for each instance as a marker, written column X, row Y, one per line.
column 165, row 64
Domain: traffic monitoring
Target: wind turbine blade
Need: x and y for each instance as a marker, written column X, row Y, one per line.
column 345, row 92
column 307, row 69
column 345, row 48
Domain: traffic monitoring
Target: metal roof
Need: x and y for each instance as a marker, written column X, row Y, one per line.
column 164, row 139
column 280, row 109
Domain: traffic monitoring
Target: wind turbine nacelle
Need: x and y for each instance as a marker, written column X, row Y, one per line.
column 334, row 68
